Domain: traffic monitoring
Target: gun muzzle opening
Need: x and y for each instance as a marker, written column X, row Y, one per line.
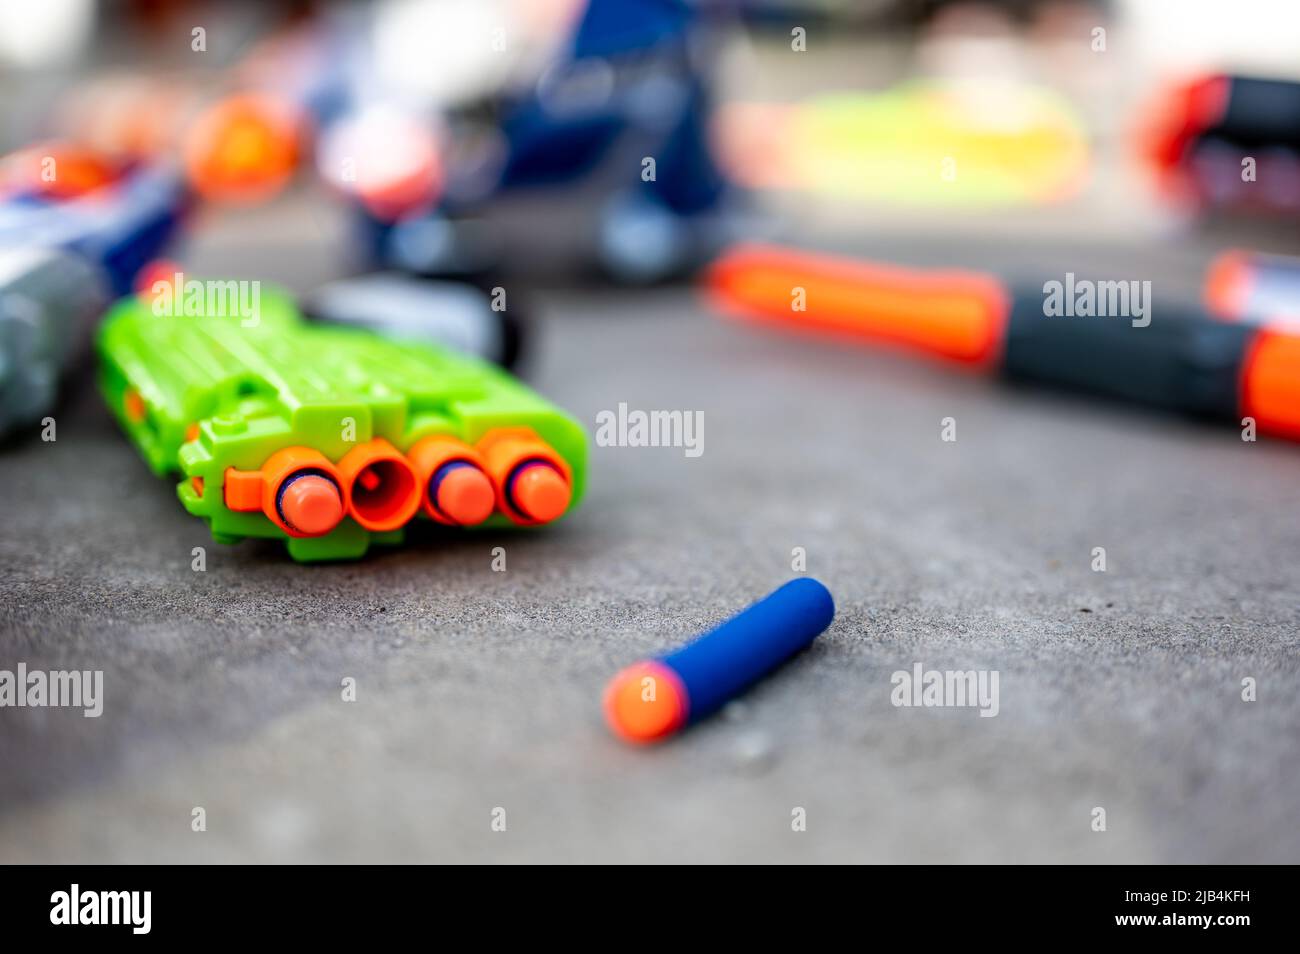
column 382, row 489
column 534, row 483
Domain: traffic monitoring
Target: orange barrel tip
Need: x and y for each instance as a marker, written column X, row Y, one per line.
column 297, row 488
column 1270, row 383
column 381, row 486
column 539, row 491
column 456, row 488
column 951, row 314
column 534, row 484
column 645, row 702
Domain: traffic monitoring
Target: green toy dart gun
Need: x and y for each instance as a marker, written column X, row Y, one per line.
column 331, row 437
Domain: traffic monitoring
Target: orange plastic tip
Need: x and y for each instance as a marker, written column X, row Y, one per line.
column 540, row 492
column 951, row 314
column 310, row 510
column 1227, row 285
column 243, row 149
column 534, row 484
column 645, row 702
column 1271, row 384
column 382, row 490
column 466, row 496
column 311, row 505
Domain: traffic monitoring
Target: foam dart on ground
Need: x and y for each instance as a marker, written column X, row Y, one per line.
column 652, row 700
column 1254, row 287
column 1181, row 359
column 454, row 315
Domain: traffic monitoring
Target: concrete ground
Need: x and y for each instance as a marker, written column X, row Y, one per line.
column 479, row 691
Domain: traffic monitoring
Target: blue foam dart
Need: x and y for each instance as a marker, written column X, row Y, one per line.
column 653, row 699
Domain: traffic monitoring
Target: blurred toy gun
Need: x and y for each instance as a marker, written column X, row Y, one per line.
column 74, row 234
column 1182, row 360
column 328, row 438
column 1224, row 141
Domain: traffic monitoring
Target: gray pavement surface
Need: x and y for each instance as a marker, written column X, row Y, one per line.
column 480, row 690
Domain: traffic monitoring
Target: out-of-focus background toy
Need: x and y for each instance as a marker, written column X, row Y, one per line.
column 609, row 139
column 1187, row 361
column 76, row 229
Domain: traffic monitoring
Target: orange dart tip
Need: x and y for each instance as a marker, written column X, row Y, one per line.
column 457, row 489
column 466, row 495
column 540, row 492
column 534, row 484
column 311, row 504
column 645, row 703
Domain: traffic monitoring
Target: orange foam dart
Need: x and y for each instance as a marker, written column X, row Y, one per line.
column 956, row 315
column 457, row 490
column 534, row 484
column 310, row 504
column 244, row 149
column 298, row 489
column 645, row 702
column 1270, row 383
column 380, row 484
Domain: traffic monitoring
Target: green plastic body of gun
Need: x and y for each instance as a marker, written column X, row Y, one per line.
column 328, row 437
